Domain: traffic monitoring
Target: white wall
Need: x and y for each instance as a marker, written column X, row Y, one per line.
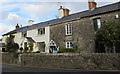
column 40, row 38
column 34, row 35
column 4, row 39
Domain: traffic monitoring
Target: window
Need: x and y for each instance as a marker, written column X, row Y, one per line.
column 68, row 28
column 24, row 34
column 25, row 44
column 97, row 23
column 41, row 31
column 117, row 16
column 69, row 44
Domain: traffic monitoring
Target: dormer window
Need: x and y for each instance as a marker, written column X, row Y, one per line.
column 68, row 28
column 41, row 31
column 97, row 23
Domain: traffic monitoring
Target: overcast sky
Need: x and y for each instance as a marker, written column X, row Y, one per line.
column 20, row 11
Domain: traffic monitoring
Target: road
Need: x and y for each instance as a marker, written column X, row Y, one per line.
column 15, row 68
column 7, row 69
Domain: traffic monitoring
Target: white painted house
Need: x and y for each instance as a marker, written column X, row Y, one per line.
column 39, row 36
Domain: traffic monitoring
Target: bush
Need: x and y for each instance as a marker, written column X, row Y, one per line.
column 37, row 52
column 31, row 47
column 26, row 49
column 11, row 51
column 21, row 48
column 15, row 46
column 61, row 50
column 16, row 54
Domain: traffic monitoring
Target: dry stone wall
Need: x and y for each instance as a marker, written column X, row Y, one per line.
column 94, row 61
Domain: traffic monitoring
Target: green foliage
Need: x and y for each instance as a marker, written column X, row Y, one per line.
column 26, row 49
column 11, row 46
column 61, row 50
column 31, row 46
column 15, row 46
column 108, row 34
column 21, row 48
column 16, row 54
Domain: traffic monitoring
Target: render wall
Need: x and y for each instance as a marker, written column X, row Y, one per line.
column 83, row 32
column 40, row 38
column 34, row 35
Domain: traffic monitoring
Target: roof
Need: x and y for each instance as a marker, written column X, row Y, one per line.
column 30, row 39
column 83, row 14
column 2, row 44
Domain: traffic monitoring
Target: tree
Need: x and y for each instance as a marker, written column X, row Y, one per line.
column 11, row 45
column 109, row 35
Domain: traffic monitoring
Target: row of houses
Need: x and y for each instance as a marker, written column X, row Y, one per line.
column 67, row 31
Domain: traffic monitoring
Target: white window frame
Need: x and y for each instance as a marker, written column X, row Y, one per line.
column 99, row 24
column 69, row 44
column 68, row 29
column 40, row 33
column 23, row 34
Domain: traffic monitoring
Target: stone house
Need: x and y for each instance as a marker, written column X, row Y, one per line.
column 68, row 30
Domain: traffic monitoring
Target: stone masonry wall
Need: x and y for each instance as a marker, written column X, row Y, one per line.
column 9, row 58
column 94, row 61
column 83, row 32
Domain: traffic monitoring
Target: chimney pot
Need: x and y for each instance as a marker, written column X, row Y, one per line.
column 92, row 4
column 60, row 7
column 63, row 12
column 30, row 22
column 17, row 26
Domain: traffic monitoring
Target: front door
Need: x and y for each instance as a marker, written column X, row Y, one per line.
column 41, row 46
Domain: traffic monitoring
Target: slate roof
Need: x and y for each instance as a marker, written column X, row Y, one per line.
column 83, row 14
column 30, row 39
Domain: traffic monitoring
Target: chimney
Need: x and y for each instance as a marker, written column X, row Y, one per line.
column 17, row 26
column 63, row 12
column 92, row 4
column 30, row 22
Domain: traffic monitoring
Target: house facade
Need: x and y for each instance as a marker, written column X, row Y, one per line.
column 67, row 31
column 38, row 36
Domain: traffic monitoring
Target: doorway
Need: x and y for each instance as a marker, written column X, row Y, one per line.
column 41, row 46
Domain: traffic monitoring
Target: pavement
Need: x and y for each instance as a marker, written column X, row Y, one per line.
column 16, row 68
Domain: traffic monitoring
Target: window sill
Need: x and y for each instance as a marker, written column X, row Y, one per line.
column 41, row 35
column 68, row 34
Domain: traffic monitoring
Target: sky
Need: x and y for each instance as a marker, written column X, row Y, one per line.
column 14, row 12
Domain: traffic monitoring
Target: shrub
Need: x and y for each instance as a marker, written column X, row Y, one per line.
column 31, row 46
column 16, row 54
column 37, row 52
column 11, row 51
column 11, row 46
column 61, row 50
column 26, row 49
column 21, row 48
column 15, row 46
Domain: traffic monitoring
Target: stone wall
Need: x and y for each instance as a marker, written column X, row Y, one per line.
column 83, row 32
column 94, row 61
column 9, row 58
